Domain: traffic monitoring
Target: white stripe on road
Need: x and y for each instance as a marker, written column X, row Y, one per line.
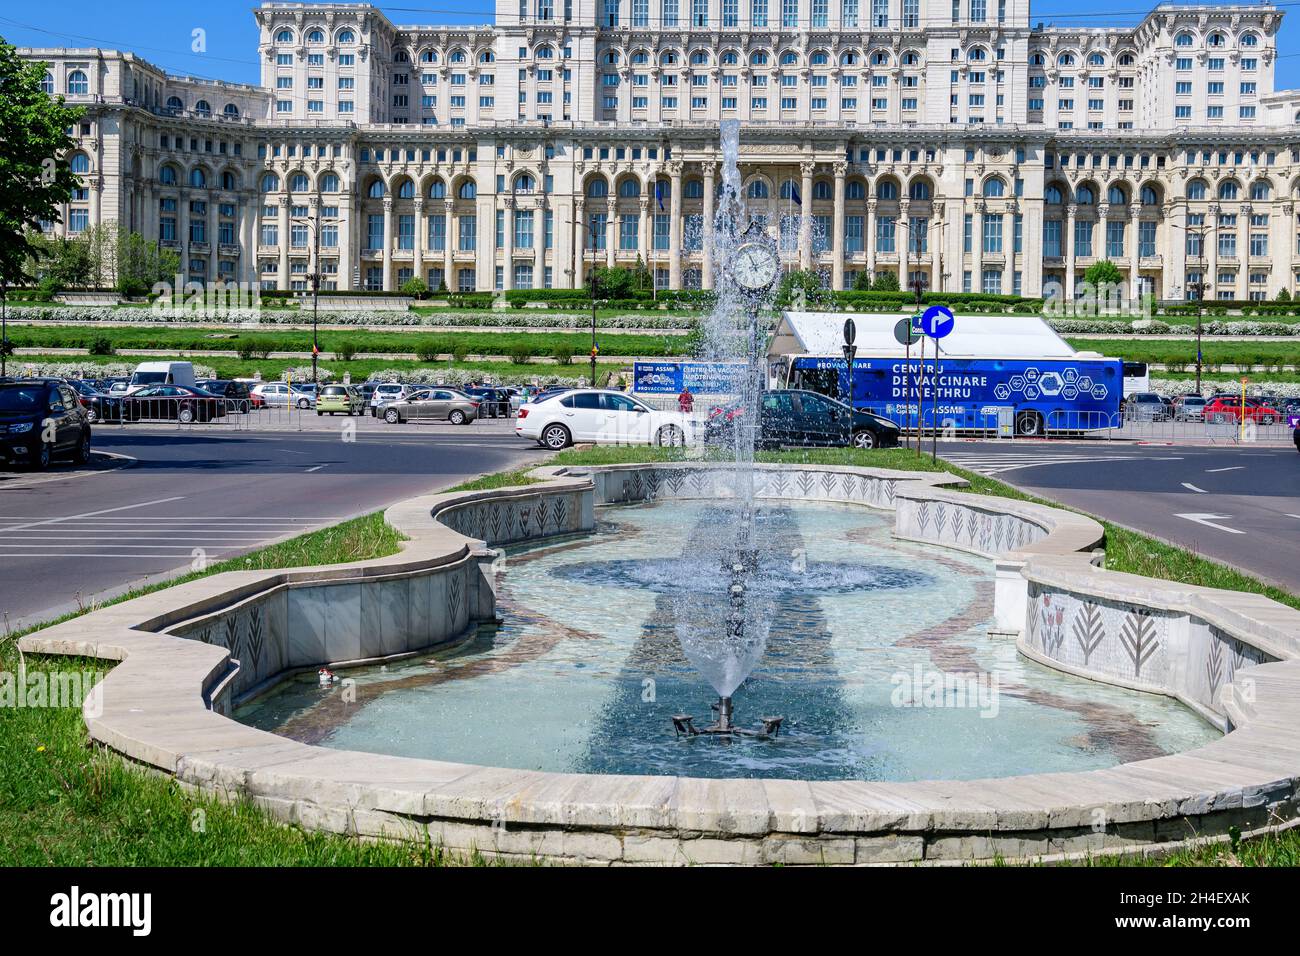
column 319, row 467
column 91, row 514
column 1205, row 519
column 996, row 464
column 1192, row 487
column 1211, row 471
column 85, row 548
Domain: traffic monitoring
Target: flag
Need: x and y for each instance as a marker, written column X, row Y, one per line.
column 794, row 194
column 659, row 193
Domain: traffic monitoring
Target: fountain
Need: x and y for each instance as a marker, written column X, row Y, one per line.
column 726, row 654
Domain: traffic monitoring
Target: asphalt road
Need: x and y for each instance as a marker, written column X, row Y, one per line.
column 1239, row 505
column 70, row 537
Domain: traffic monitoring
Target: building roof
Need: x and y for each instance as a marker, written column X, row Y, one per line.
column 973, row 336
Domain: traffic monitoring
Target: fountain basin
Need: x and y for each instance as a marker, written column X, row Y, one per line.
column 163, row 704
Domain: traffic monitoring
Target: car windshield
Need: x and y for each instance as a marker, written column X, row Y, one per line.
column 23, row 398
column 148, row 378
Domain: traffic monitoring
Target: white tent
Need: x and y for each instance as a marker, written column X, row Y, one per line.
column 973, row 336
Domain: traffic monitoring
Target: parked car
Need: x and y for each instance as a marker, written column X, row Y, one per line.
column 340, row 398
column 802, row 418
column 1230, row 409
column 236, row 393
column 432, row 404
column 171, row 403
column 1146, row 407
column 34, row 409
column 280, row 393
column 493, row 402
column 162, row 373
column 1189, row 408
column 604, row 417
column 385, row 392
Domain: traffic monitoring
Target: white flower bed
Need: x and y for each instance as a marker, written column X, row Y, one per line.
column 462, row 376
column 1158, row 327
column 90, row 367
column 1187, row 386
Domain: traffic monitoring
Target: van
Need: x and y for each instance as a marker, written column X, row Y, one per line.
column 162, row 373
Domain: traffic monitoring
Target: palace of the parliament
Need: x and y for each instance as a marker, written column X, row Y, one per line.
column 957, row 140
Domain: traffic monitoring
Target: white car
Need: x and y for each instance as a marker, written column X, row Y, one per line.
column 605, row 418
column 386, row 392
column 280, row 393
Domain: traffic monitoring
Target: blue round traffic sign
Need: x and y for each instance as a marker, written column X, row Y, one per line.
column 936, row 322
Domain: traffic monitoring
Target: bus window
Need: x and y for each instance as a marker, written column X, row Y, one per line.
column 1136, row 378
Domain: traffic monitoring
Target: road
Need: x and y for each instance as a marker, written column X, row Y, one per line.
column 1238, row 505
column 69, row 537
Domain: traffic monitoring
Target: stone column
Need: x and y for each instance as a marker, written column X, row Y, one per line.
column 938, row 255
column 421, row 227
column 1175, row 250
column 448, row 249
column 611, row 230
column 805, row 216
column 643, row 232
column 871, row 237
column 1134, row 258
column 675, row 228
column 709, row 169
column 508, row 246
column 903, row 248
column 347, row 216
column 1068, row 240
column 539, row 242
column 1243, row 251
column 1211, row 250
column 837, row 240
column 388, row 244
column 1009, row 248
column 977, row 248
column 580, row 229
column 1283, row 250
column 282, row 281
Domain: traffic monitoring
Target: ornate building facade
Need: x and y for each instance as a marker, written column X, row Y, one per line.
column 955, row 142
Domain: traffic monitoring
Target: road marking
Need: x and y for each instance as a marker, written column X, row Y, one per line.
column 91, row 514
column 1289, row 515
column 993, row 464
column 317, row 468
column 1205, row 519
column 1192, row 487
column 1211, row 471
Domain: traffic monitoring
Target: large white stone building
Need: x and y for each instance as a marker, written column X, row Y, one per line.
column 958, row 141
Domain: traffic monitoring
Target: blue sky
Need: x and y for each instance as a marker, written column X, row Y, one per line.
column 162, row 31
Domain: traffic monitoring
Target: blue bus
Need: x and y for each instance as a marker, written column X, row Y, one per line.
column 1042, row 386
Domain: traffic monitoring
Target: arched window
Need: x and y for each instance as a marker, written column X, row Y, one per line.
column 629, row 189
column 467, row 190
column 487, row 56
column 880, row 58
column 694, row 189
column 848, row 58
column 79, row 163
column 758, row 58
column 284, row 36
column 597, row 189
column 1228, row 190
column 228, row 182
column 1127, row 59
column 167, row 175
column 788, row 189
column 270, row 183
column 612, row 57
column 1084, row 196
column 198, row 178
column 47, row 84
column 78, row 85
column 822, row 189
column 316, row 36
column 1065, row 59
column 458, row 56
column 1184, row 39
column 175, row 104
column 668, row 59
column 977, row 54
column 329, row 183
column 231, row 111
column 700, row 58
column 437, row 189
column 887, row 190
column 1037, row 59
column 730, row 58
column 1149, row 196
column 1196, row 189
column 347, row 36
column 854, row 189
column 789, row 58
column 1217, row 40
column 542, row 53
column 1096, row 59
column 919, row 190
column 428, row 56
column 406, row 190
column 994, row 188
column 1249, row 39
column 1115, row 196
column 820, row 58
column 1260, row 190
column 524, row 183
column 1052, row 196
column 376, row 190
column 299, row 183
column 757, row 190
column 911, row 58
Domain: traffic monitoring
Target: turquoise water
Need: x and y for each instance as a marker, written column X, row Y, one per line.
column 878, row 656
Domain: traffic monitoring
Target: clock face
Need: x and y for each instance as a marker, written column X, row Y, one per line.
column 754, row 267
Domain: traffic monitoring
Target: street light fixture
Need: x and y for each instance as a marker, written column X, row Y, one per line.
column 314, row 277
column 589, row 242
column 1199, row 286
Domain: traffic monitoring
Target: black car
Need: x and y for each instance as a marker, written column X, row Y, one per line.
column 39, row 419
column 493, row 402
column 234, row 392
column 178, row 403
column 802, row 418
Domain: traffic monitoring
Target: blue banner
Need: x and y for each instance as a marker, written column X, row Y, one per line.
column 702, row 378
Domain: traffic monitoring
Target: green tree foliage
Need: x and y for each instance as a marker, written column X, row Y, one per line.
column 415, row 287
column 804, row 289
column 885, row 282
column 623, row 282
column 1103, row 272
column 35, row 178
column 862, row 281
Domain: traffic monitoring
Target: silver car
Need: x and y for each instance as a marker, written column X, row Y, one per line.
column 432, row 404
column 1190, row 409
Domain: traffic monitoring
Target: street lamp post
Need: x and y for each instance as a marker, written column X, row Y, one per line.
column 1200, row 286
column 917, row 286
column 590, row 242
column 314, row 278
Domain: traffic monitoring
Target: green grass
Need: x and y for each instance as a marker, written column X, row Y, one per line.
column 64, row 804
column 502, row 479
column 1184, row 351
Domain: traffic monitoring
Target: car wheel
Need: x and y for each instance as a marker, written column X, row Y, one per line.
column 303, row 403
column 865, row 439
column 41, row 459
column 1267, row 420
column 82, row 455
column 670, row 435
column 91, row 415
column 185, row 416
column 392, row 417
column 556, row 437
column 1029, row 425
column 457, row 417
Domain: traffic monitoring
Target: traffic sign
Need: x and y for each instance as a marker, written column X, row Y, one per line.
column 850, row 331
column 936, row 322
column 905, row 331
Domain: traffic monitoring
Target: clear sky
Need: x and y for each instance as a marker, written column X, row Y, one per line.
column 163, row 32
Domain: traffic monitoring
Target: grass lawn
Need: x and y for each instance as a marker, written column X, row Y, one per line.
column 64, row 804
column 1184, row 351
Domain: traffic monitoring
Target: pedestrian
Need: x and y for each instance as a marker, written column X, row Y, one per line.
column 686, row 401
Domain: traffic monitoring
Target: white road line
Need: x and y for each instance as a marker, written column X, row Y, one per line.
column 1289, row 515
column 996, row 464
column 1205, row 519
column 91, row 514
column 319, row 467
column 1211, row 471
column 86, row 549
column 1192, row 487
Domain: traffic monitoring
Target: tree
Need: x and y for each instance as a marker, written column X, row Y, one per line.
column 415, row 287
column 141, row 264
column 35, row 177
column 621, row 282
column 1284, row 295
column 862, row 281
column 1103, row 272
column 885, row 281
column 804, row 289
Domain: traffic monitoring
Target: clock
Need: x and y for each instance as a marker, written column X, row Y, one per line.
column 755, row 266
